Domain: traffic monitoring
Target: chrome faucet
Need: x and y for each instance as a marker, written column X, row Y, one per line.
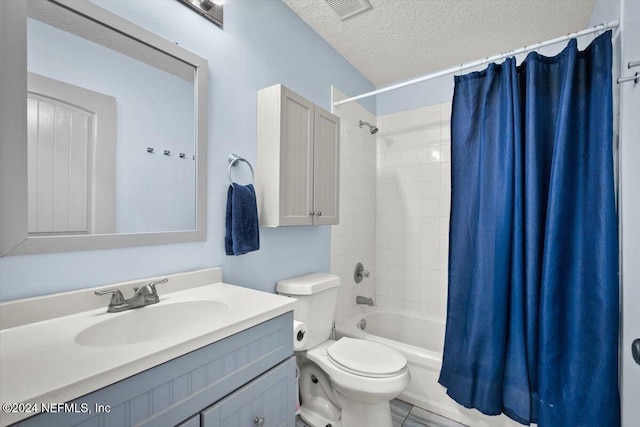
column 364, row 300
column 145, row 295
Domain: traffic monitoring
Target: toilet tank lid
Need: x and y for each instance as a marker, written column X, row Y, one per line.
column 307, row 285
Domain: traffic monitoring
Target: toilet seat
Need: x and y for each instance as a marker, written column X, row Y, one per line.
column 366, row 358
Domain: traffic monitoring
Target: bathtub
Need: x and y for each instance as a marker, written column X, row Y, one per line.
column 420, row 339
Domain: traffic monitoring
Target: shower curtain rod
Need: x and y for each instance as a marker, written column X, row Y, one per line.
column 601, row 27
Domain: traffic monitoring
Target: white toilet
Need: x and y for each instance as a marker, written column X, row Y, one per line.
column 344, row 383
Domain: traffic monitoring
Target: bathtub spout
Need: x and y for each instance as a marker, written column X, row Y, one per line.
column 364, row 300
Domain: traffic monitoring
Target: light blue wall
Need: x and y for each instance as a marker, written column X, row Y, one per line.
column 419, row 95
column 263, row 43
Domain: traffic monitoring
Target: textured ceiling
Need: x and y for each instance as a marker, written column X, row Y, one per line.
column 401, row 39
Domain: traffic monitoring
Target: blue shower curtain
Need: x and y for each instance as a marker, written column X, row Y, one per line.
column 532, row 316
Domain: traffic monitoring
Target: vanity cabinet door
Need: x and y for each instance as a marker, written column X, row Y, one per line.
column 268, row 401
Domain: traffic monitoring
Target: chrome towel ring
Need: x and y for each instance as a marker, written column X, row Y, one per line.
column 234, row 159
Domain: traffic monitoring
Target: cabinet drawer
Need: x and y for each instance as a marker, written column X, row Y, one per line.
column 271, row 397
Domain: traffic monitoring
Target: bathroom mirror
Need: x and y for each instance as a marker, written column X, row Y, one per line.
column 102, row 131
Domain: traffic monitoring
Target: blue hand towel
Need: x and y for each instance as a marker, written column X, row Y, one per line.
column 242, row 233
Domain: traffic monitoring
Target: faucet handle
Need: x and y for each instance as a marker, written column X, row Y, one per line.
column 153, row 284
column 116, row 298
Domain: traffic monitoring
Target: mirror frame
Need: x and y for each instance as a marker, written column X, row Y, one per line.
column 14, row 237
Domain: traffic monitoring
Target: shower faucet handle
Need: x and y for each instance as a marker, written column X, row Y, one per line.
column 360, row 273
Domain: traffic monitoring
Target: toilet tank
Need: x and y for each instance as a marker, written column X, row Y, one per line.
column 316, row 294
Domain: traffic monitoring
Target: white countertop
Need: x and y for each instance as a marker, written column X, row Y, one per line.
column 42, row 363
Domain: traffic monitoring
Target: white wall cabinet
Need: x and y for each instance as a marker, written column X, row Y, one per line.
column 298, row 170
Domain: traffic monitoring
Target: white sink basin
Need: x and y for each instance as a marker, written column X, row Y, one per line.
column 150, row 323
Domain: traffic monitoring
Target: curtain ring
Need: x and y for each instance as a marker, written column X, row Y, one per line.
column 599, row 29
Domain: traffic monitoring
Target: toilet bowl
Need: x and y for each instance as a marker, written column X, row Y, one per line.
column 343, row 383
column 361, row 390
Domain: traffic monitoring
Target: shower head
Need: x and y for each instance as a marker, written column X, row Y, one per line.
column 372, row 128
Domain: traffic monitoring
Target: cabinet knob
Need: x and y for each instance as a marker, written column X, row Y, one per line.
column 319, row 213
column 258, row 421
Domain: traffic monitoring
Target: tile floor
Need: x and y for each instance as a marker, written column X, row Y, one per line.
column 406, row 415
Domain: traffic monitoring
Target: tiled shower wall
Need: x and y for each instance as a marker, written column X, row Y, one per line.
column 354, row 239
column 412, row 210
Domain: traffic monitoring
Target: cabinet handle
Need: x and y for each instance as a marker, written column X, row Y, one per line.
column 319, row 213
column 258, row 421
column 312, row 213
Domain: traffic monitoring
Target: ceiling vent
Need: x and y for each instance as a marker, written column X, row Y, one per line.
column 348, row 8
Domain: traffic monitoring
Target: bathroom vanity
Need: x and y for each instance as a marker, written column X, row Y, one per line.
column 207, row 354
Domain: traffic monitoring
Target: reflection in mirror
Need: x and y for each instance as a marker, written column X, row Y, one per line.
column 90, row 103
column 96, row 100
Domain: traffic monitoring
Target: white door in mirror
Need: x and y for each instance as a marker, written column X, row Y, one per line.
column 66, row 151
